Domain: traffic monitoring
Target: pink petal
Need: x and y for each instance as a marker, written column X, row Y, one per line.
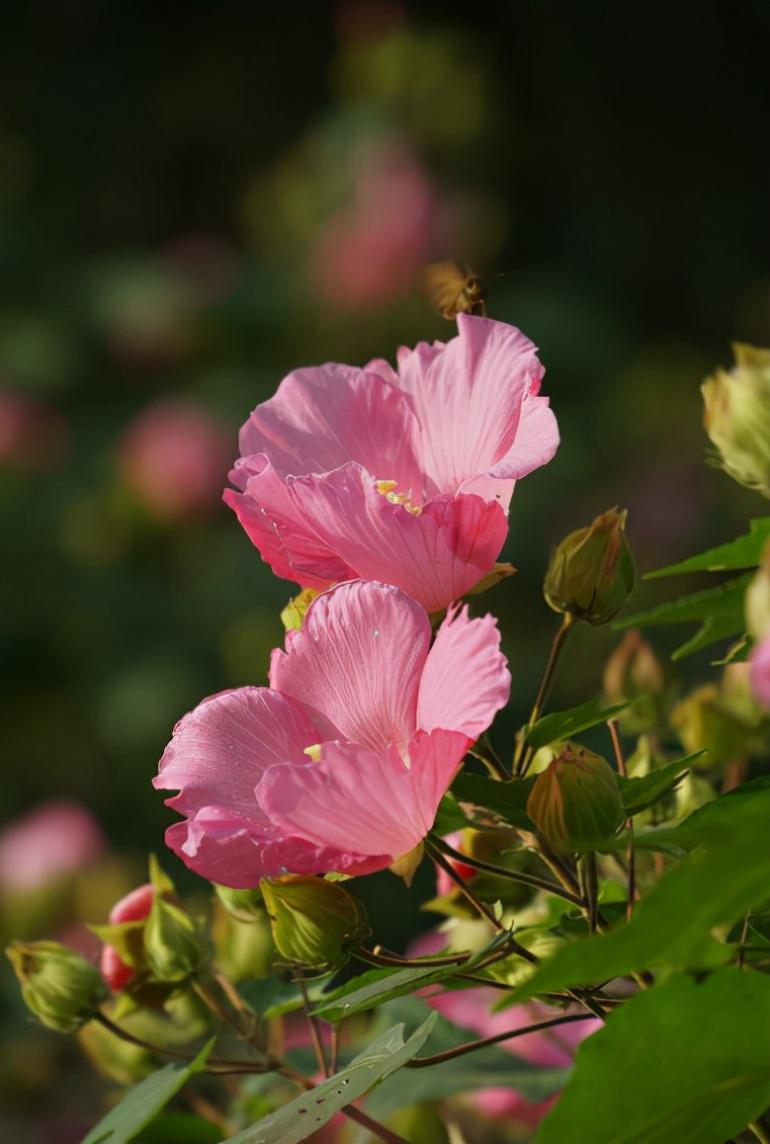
column 435, row 556
column 134, row 906
column 466, row 679
column 220, row 749
column 277, row 525
column 365, row 801
column 355, row 666
column 469, row 396
column 324, row 417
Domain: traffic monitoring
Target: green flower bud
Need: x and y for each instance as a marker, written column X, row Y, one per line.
column 592, row 571
column 757, row 599
column 294, row 612
column 174, row 948
column 576, row 804
column 245, row 905
column 633, row 674
column 722, row 720
column 60, row 987
column 315, row 923
column 737, row 417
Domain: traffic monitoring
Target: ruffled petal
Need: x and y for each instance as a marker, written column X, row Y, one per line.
column 220, row 749
column 365, row 801
column 468, row 397
column 355, row 666
column 323, row 417
column 466, row 679
column 435, row 556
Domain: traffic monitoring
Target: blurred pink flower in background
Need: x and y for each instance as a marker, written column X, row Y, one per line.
column 134, row 907
column 341, row 763
column 444, row 884
column 399, row 475
column 173, row 457
column 552, row 1048
column 55, row 839
column 759, row 672
column 33, row 435
column 373, row 249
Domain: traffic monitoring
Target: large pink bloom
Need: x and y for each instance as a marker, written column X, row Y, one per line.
column 341, row 763
column 398, row 475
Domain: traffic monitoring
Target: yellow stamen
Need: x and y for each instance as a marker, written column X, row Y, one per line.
column 314, row 752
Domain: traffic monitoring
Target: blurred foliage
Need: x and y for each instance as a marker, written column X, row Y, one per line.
column 196, row 199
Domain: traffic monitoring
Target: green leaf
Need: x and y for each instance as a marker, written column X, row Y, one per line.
column 380, row 985
column 450, row 817
column 672, row 928
column 719, row 818
column 172, row 1127
column 639, row 794
column 718, row 610
column 678, row 1064
column 508, row 800
column 743, row 552
column 144, row 1101
column 566, row 724
column 307, row 1113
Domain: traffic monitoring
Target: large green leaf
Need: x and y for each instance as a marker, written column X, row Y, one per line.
column 144, row 1101
column 719, row 818
column 565, row 724
column 307, row 1113
column 639, row 794
column 508, row 800
column 743, row 552
column 679, row 1064
column 672, row 928
column 719, row 611
column 381, row 985
column 450, row 816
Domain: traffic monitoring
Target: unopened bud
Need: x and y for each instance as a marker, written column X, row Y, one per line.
column 592, row 571
column 245, row 905
column 294, row 612
column 174, row 948
column 315, row 923
column 722, row 720
column 633, row 674
column 576, row 804
column 60, row 987
column 737, row 417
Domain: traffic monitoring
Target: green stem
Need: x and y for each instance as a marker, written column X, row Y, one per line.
column 757, row 1130
column 524, row 754
column 315, row 1030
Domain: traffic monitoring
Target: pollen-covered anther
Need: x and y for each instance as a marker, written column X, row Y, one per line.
column 313, row 752
column 387, row 489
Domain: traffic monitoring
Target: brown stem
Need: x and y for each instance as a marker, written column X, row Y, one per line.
column 524, row 754
column 315, row 1030
column 377, row 957
column 217, row 1064
column 472, row 1046
column 532, row 880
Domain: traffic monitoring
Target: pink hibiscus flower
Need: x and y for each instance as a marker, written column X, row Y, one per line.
column 404, row 475
column 759, row 672
column 341, row 763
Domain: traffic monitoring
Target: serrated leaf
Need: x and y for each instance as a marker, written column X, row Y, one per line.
column 144, row 1101
column 303, row 1116
column 663, row 1075
column 673, row 927
column 566, row 724
column 639, row 794
column 743, row 552
column 718, row 610
column 508, row 800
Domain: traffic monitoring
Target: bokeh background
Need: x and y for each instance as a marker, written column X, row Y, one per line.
column 196, row 198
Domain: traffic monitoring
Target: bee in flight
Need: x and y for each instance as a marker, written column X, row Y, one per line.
column 454, row 289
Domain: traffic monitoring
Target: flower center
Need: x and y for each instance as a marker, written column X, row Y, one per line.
column 388, row 490
column 313, row 752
